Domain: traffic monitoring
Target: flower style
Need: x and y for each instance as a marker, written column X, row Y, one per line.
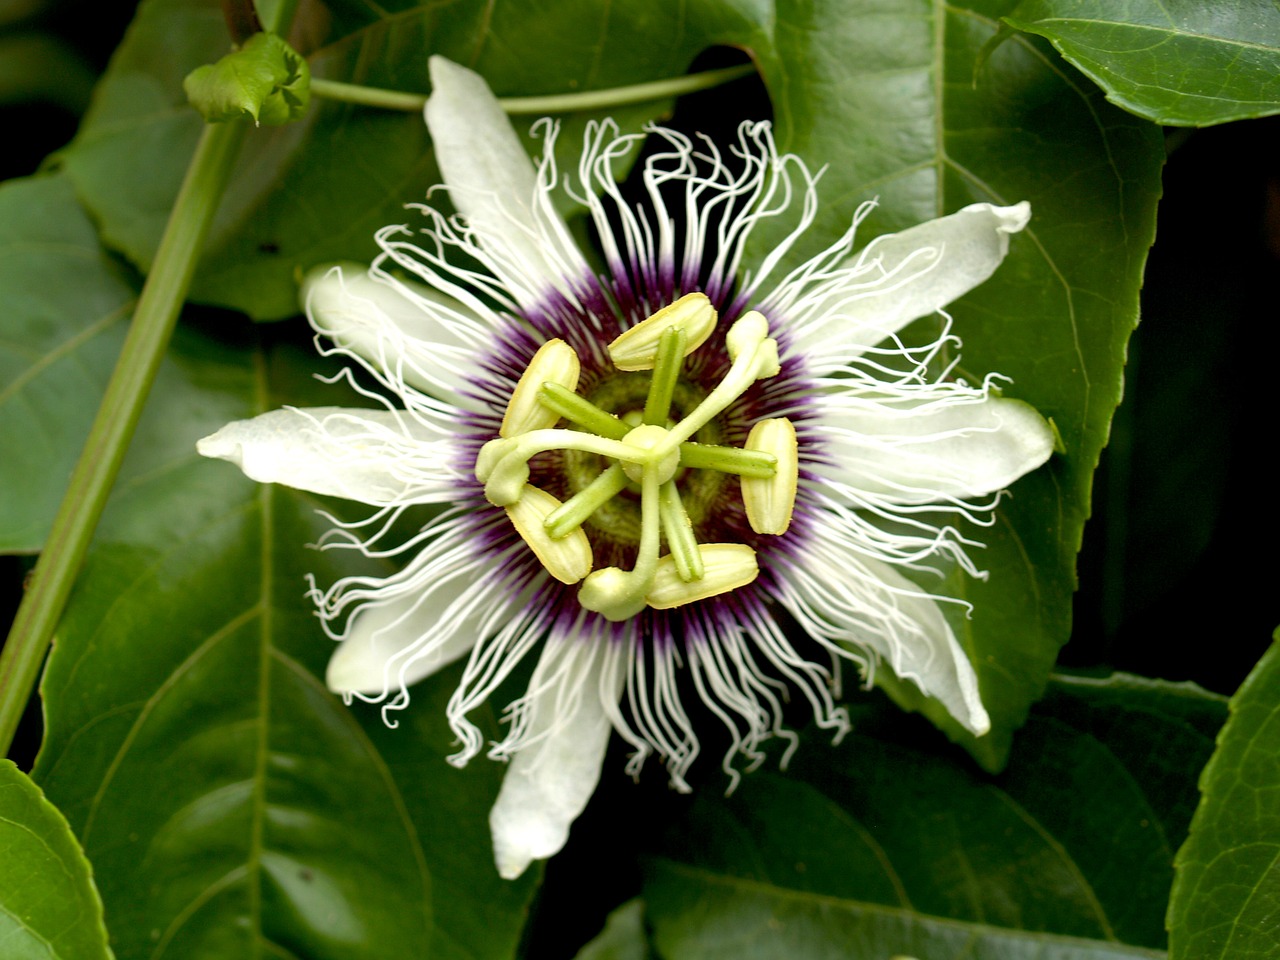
column 671, row 465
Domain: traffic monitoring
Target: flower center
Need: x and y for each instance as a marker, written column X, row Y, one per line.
column 647, row 449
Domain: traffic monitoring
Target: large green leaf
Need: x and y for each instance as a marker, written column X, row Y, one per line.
column 231, row 806
column 49, row 909
column 1179, row 62
column 1226, row 899
column 66, row 305
column 895, row 100
column 902, row 100
column 892, row 850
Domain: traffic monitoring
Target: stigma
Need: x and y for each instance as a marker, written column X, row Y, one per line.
column 646, row 451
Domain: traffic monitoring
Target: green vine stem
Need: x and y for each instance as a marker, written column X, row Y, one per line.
column 153, row 321
column 525, row 106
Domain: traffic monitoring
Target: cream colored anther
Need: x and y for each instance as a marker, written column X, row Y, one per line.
column 770, row 501
column 555, row 362
column 637, row 349
column 726, row 566
column 568, row 559
column 746, row 334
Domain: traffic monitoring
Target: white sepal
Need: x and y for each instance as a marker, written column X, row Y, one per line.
column 924, row 453
column 377, row 655
column 566, row 728
column 895, row 279
column 416, row 335
column 854, row 603
column 378, row 457
column 496, row 188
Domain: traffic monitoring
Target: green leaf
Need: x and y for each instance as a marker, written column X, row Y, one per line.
column 66, row 308
column 315, row 192
column 893, row 850
column 905, row 103
column 1178, row 62
column 232, row 806
column 623, row 936
column 1226, row 898
column 49, row 909
column 747, row 920
column 265, row 80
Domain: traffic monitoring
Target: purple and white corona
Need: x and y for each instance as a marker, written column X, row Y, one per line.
column 642, row 473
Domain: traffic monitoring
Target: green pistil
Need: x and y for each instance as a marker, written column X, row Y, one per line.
column 757, row 358
column 575, row 511
column 666, row 371
column 744, row 463
column 581, row 411
column 511, row 472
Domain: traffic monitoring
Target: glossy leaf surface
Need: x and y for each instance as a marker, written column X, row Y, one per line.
column 895, row 851
column 49, row 909
column 231, row 805
column 1226, row 900
column 59, row 343
column 623, row 936
column 1176, row 62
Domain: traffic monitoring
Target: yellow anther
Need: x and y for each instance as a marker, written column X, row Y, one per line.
column 637, row 349
column 568, row 559
column 555, row 362
column 770, row 501
column 725, row 567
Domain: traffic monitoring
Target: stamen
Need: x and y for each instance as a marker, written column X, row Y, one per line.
column 575, row 511
column 678, row 530
column 645, row 451
column 567, row 558
column 770, row 501
column 581, row 411
column 637, row 349
column 755, row 357
column 666, row 370
column 728, row 566
column 555, row 362
column 744, row 463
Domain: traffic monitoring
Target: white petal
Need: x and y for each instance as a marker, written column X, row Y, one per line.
column 849, row 600
column 923, row 454
column 927, row 652
column 552, row 777
column 371, row 456
column 494, row 185
column 415, row 334
column 901, row 276
column 377, row 654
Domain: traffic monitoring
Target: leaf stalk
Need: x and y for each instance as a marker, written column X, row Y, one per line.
column 144, row 347
column 538, row 106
